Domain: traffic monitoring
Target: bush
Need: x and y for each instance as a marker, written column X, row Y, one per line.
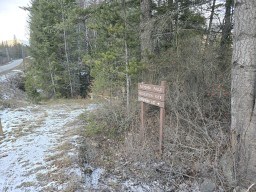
column 110, row 121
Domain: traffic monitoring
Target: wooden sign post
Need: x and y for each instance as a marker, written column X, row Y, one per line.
column 154, row 95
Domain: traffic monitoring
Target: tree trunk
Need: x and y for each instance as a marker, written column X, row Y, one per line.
column 226, row 31
column 7, row 53
column 176, row 18
column 53, row 84
column 126, row 60
column 146, row 27
column 225, row 43
column 243, row 110
column 170, row 22
column 67, row 56
column 210, row 22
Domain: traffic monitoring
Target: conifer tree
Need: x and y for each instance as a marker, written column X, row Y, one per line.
column 53, row 47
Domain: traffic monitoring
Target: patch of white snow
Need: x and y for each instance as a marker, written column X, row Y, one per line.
column 30, row 136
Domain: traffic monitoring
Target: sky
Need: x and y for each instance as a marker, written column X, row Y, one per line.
column 13, row 20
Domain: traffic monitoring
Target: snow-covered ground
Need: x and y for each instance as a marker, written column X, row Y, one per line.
column 9, row 85
column 33, row 139
column 6, row 77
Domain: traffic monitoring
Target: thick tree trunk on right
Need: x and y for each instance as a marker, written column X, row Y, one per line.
column 243, row 110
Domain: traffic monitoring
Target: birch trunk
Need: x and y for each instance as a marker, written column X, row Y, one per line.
column 67, row 57
column 127, row 76
column 127, row 79
column 210, row 22
column 243, row 110
column 53, row 84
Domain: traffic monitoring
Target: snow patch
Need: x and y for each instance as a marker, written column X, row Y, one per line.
column 93, row 176
column 92, row 107
column 31, row 133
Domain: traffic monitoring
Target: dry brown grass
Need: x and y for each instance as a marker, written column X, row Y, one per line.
column 196, row 137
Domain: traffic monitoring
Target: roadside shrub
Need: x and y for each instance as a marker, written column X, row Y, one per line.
column 31, row 88
column 110, row 120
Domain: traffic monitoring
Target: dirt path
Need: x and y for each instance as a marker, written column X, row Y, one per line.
column 39, row 151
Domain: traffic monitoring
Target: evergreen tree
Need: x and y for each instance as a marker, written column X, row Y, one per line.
column 115, row 50
column 16, row 49
column 53, row 47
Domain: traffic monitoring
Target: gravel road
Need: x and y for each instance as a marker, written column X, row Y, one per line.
column 11, row 65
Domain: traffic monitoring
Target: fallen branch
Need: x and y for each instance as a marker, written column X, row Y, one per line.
column 250, row 187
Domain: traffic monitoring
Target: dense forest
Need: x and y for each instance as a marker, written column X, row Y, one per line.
column 121, row 43
column 106, row 48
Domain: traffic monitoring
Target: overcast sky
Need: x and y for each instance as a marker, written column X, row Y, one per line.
column 13, row 20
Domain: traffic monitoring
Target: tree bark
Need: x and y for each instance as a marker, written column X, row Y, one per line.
column 176, row 18
column 127, row 76
column 243, row 110
column 7, row 53
column 225, row 43
column 210, row 22
column 227, row 27
column 53, row 84
column 170, row 22
column 66, row 54
column 146, row 27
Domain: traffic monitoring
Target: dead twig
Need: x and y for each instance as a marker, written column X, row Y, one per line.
column 250, row 187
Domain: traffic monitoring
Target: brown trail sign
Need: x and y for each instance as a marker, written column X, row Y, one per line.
column 154, row 95
column 152, row 88
column 151, row 101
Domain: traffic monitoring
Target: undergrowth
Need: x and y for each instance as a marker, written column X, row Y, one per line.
column 194, row 142
column 197, row 123
column 110, row 121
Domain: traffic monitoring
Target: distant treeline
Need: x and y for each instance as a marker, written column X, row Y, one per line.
column 12, row 50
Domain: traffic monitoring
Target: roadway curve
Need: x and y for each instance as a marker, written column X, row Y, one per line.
column 11, row 65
